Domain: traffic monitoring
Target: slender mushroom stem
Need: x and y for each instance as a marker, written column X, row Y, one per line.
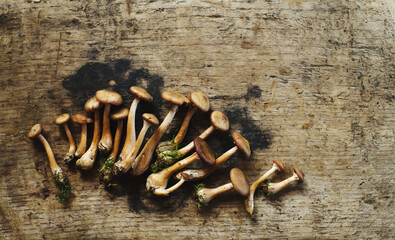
column 273, row 188
column 84, row 137
column 105, row 143
column 184, row 126
column 52, row 162
column 70, row 154
column 189, row 147
column 165, row 192
column 205, row 195
column 130, row 139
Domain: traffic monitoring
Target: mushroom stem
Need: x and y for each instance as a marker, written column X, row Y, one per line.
column 117, row 141
column 165, row 192
column 189, row 147
column 52, row 162
column 274, row 188
column 82, row 145
column 184, row 126
column 130, row 139
column 105, row 143
column 205, row 195
column 70, row 154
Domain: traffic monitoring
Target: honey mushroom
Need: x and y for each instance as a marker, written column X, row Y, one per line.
column 83, row 120
column 273, row 188
column 108, row 98
column 62, row 120
column 144, row 158
column 140, row 94
column 157, row 182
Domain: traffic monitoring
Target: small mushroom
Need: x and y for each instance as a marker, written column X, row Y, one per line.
column 127, row 162
column 60, row 179
column 273, row 188
column 83, row 120
column 108, row 98
column 106, row 171
column 130, row 139
column 219, row 121
column 144, row 158
column 238, row 181
column 278, row 166
column 62, row 120
column 87, row 160
column 157, row 182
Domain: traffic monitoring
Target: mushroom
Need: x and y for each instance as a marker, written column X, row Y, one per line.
column 278, row 166
column 157, row 182
column 106, row 171
column 60, row 179
column 238, row 181
column 62, row 120
column 219, row 121
column 130, row 139
column 108, row 98
column 83, row 120
column 127, row 162
column 273, row 188
column 143, row 159
column 87, row 160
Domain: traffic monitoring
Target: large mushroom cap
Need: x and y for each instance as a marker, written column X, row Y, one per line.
column 299, row 173
column 219, row 121
column 175, row 98
column 92, row 105
column 119, row 114
column 242, row 144
column 279, row 164
column 108, row 96
column 200, row 100
column 151, row 118
column 35, row 131
column 62, row 119
column 141, row 93
column 239, row 181
column 206, row 154
column 81, row 118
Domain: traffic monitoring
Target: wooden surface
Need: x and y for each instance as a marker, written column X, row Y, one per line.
column 308, row 82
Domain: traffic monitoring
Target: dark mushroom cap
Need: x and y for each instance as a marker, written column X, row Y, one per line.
column 35, row 131
column 219, row 121
column 151, row 118
column 141, row 93
column 300, row 174
column 279, row 164
column 92, row 105
column 206, row 154
column 200, row 100
column 175, row 98
column 119, row 114
column 81, row 118
column 62, row 119
column 242, row 144
column 108, row 96
column 239, row 181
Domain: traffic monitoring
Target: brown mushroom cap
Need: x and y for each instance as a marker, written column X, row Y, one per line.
column 92, row 105
column 299, row 173
column 206, row 154
column 220, row 121
column 81, row 118
column 141, row 93
column 239, row 181
column 175, row 98
column 108, row 96
column 279, row 164
column 62, row 119
column 35, row 131
column 200, row 100
column 119, row 114
column 151, row 118
column 242, row 144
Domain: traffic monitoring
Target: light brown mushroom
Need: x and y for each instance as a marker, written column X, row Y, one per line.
column 273, row 188
column 108, row 98
column 87, row 160
column 62, row 120
column 144, row 158
column 83, row 120
column 140, row 94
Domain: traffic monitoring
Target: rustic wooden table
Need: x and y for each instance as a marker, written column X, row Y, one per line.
column 308, row 82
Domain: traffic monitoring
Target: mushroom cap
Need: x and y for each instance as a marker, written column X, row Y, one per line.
column 35, row 131
column 119, row 114
column 219, row 121
column 92, row 105
column 299, row 173
column 108, row 96
column 151, row 118
column 200, row 100
column 175, row 98
column 242, row 144
column 239, row 181
column 140, row 93
column 279, row 164
column 81, row 118
column 206, row 154
column 62, row 119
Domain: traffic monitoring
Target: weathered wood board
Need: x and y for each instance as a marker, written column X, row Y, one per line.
column 308, row 82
